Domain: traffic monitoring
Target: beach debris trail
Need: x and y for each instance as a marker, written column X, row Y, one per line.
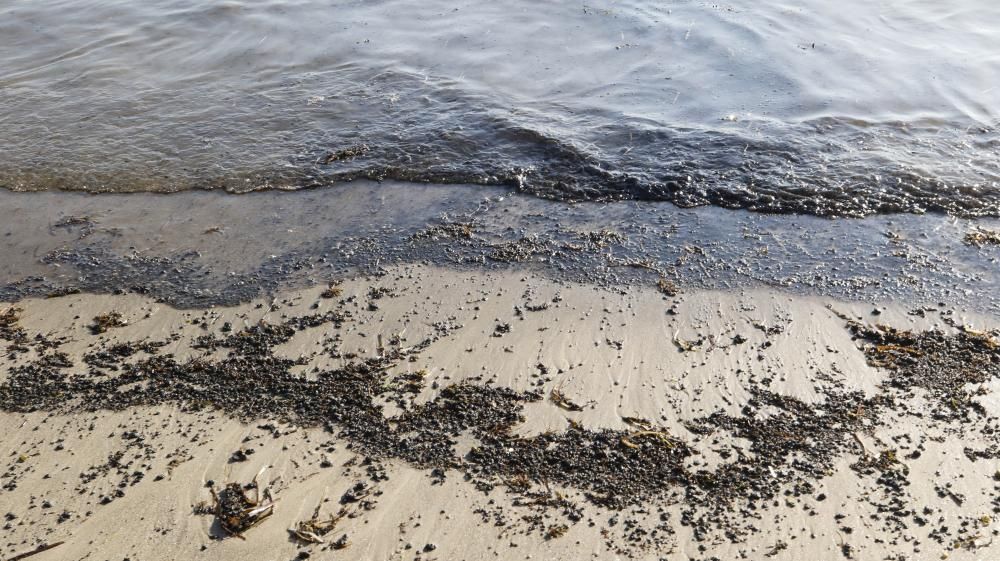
column 789, row 448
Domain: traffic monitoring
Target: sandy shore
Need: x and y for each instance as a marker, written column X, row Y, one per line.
column 792, row 426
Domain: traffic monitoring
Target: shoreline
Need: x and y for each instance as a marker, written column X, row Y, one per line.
column 200, row 249
column 697, row 387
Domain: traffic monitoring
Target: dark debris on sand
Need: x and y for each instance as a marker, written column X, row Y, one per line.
column 944, row 366
column 239, row 508
column 110, row 320
column 792, row 448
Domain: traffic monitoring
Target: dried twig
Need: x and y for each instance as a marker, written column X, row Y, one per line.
column 40, row 549
column 315, row 529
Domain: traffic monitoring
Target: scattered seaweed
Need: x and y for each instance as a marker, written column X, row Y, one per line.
column 520, row 250
column 411, row 382
column 946, row 366
column 602, row 238
column 790, row 448
column 448, row 230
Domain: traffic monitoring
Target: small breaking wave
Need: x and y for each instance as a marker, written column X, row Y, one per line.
column 352, row 124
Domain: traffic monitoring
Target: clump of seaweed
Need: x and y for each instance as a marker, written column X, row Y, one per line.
column 556, row 531
column 9, row 328
column 668, row 287
column 345, row 154
column 103, row 322
column 331, row 291
column 237, row 511
column 982, row 236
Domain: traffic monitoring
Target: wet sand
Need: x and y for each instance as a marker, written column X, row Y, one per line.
column 735, row 424
column 197, row 249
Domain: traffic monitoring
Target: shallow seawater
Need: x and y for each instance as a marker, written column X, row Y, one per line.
column 846, row 108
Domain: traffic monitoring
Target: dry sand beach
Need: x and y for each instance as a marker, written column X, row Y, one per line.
column 434, row 414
